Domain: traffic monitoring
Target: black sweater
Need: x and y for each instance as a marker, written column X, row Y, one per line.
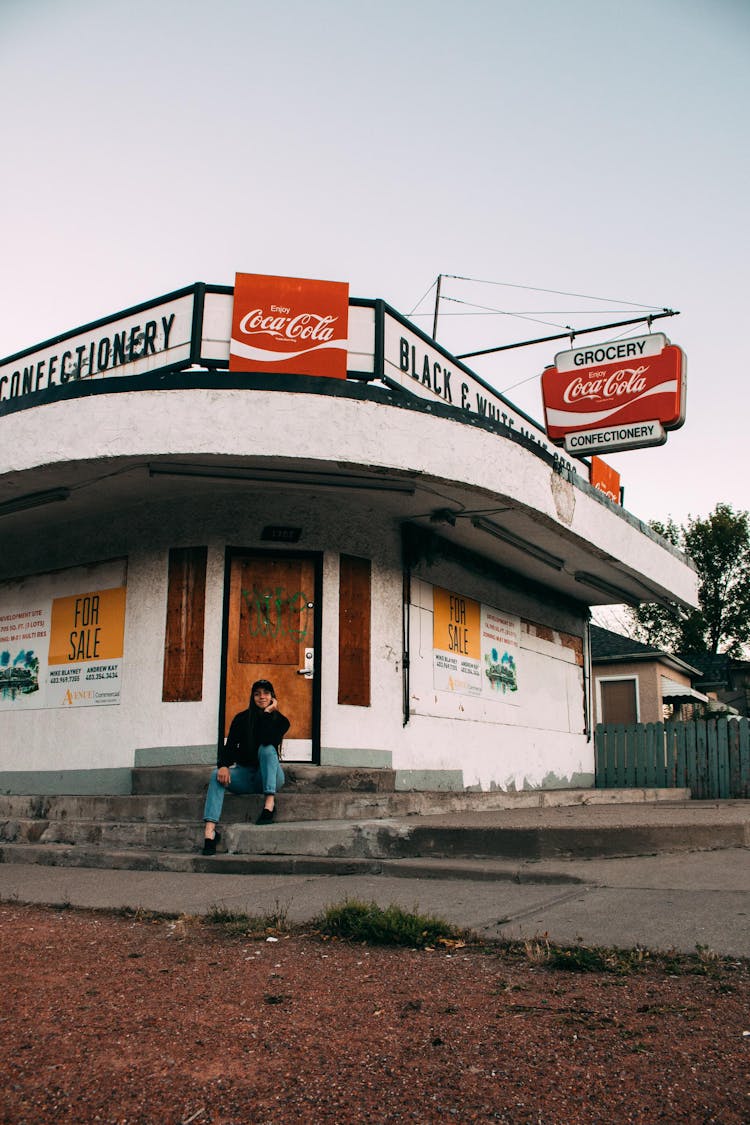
column 237, row 749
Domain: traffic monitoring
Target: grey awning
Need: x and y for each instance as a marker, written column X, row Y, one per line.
column 670, row 690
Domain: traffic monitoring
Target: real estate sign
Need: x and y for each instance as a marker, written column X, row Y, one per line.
column 62, row 639
column 475, row 647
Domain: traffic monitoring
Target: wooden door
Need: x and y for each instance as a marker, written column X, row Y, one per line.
column 271, row 636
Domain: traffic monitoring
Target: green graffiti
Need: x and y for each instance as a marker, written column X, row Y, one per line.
column 277, row 614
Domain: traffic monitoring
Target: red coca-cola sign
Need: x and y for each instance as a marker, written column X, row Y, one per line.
column 622, row 383
column 289, row 325
column 604, row 478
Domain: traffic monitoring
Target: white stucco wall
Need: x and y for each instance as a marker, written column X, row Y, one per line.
column 510, row 747
column 540, row 741
column 520, row 740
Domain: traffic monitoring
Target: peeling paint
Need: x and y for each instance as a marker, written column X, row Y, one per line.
column 555, row 636
column 564, row 496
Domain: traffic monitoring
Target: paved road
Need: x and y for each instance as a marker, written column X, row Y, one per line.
column 670, row 901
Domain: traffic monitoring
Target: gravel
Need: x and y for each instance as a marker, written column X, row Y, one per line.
column 125, row 1019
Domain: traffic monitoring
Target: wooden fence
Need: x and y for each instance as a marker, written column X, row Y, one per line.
column 711, row 757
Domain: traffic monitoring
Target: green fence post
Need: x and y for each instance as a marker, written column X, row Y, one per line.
column 690, row 733
column 600, row 742
column 703, row 768
column 671, row 755
column 648, row 742
column 743, row 789
column 682, row 756
column 618, row 755
column 733, row 751
column 640, row 770
column 610, row 757
column 722, row 758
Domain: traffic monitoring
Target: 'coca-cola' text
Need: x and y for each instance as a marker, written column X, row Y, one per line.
column 303, row 326
column 600, row 387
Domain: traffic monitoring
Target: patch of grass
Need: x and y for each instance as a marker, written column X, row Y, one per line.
column 537, row 950
column 235, row 923
column 354, row 920
column 137, row 913
column 578, row 959
column 619, row 963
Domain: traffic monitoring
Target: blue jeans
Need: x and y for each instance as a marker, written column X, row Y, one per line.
column 244, row 779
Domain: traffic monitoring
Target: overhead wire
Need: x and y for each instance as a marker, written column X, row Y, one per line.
column 530, row 378
column 419, row 302
column 503, row 312
column 558, row 292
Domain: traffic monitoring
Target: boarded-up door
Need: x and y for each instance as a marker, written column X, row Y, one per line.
column 271, row 636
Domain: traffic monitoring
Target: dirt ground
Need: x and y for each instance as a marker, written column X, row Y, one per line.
column 126, row 1019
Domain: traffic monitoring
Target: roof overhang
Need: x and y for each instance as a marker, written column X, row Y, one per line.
column 411, row 426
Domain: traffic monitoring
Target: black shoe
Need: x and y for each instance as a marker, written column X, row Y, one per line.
column 209, row 846
column 267, row 816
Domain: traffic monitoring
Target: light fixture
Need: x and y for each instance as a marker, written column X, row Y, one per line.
column 606, row 588
column 33, row 500
column 520, row 544
column 288, row 477
column 444, row 515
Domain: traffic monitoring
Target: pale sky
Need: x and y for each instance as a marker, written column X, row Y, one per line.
column 586, row 146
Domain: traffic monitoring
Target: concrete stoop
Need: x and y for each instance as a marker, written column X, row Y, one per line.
column 333, row 820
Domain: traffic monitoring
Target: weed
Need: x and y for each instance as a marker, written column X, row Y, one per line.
column 354, row 920
column 136, row 913
column 237, row 924
column 537, row 950
column 578, row 959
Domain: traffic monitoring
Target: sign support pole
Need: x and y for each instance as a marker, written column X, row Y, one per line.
column 437, row 303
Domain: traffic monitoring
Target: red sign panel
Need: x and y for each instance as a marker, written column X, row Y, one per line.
column 637, row 388
column 289, row 325
column 605, row 478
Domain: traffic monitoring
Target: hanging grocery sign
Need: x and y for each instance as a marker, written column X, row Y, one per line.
column 619, row 395
column 289, row 325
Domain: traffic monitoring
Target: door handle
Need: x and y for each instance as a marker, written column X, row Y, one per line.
column 309, row 669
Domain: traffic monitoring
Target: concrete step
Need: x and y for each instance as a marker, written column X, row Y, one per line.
column 519, row 833
column 296, row 806
column 132, row 859
column 293, row 805
column 347, row 846
column 300, row 776
column 487, row 837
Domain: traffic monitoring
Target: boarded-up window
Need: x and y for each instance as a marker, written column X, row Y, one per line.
column 619, row 701
column 183, row 641
column 354, row 631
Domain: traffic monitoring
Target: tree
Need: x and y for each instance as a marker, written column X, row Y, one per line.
column 719, row 545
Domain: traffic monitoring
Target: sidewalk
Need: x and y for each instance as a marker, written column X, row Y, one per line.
column 667, row 901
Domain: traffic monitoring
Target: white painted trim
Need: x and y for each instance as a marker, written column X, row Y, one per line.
column 609, row 679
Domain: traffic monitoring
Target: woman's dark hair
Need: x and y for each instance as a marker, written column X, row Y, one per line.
column 254, row 711
column 260, row 685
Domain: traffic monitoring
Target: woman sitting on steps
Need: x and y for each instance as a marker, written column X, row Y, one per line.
column 248, row 761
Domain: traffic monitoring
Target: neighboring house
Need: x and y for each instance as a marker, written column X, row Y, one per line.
column 724, row 678
column 636, row 683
